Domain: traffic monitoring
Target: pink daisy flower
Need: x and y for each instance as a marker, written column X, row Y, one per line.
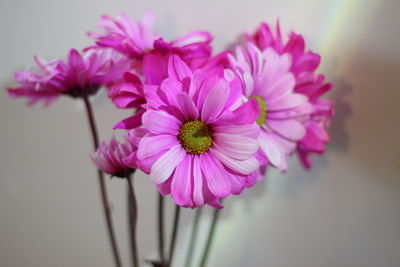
column 196, row 148
column 109, row 157
column 148, row 51
column 266, row 77
column 125, row 35
column 77, row 77
column 304, row 65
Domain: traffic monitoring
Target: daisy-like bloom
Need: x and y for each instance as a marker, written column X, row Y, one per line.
column 109, row 157
column 200, row 145
column 129, row 93
column 77, row 77
column 304, row 65
column 149, row 52
column 125, row 35
column 266, row 77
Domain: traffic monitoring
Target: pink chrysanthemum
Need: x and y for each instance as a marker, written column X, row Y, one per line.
column 77, row 77
column 149, row 52
column 125, row 35
column 130, row 93
column 266, row 77
column 109, row 158
column 304, row 65
column 197, row 148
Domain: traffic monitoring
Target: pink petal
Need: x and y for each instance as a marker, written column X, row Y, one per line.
column 248, row 112
column 215, row 101
column 235, row 146
column 248, row 130
column 165, row 165
column 178, row 69
column 181, row 187
column 160, row 122
column 290, row 129
column 131, row 122
column 187, row 107
column 240, row 166
column 197, row 182
column 215, row 175
column 291, row 101
column 150, row 144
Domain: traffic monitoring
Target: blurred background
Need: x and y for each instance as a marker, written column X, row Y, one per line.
column 344, row 212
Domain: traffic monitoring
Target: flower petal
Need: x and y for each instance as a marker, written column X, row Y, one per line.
column 215, row 175
column 187, row 107
column 181, row 187
column 165, row 165
column 238, row 147
column 215, row 101
column 151, row 144
column 240, row 166
column 160, row 122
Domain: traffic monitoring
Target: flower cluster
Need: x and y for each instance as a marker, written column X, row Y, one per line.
column 203, row 126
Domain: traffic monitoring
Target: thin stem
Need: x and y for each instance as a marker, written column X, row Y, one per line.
column 210, row 238
column 103, row 190
column 161, row 228
column 174, row 235
column 133, row 221
column 193, row 237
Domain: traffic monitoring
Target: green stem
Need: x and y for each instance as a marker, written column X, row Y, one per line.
column 210, row 238
column 102, row 183
column 161, row 228
column 193, row 237
column 174, row 235
column 133, row 222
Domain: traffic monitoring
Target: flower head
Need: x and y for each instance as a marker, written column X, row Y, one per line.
column 109, row 158
column 201, row 143
column 303, row 67
column 266, row 77
column 148, row 51
column 77, row 77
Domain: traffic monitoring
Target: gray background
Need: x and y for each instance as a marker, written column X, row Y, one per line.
column 345, row 212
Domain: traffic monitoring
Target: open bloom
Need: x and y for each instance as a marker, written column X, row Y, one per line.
column 266, row 77
column 304, row 65
column 109, row 158
column 77, row 77
column 149, row 52
column 200, row 144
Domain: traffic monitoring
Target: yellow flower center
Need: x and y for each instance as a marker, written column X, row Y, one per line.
column 195, row 137
column 263, row 111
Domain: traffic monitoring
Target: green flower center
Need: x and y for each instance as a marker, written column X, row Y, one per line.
column 263, row 110
column 195, row 137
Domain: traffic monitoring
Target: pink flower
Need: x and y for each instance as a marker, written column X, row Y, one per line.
column 201, row 144
column 266, row 77
column 125, row 35
column 77, row 77
column 129, row 93
column 109, row 158
column 304, row 65
column 149, row 52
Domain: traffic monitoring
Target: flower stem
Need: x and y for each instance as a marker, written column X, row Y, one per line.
column 210, row 238
column 193, row 237
column 133, row 221
column 103, row 190
column 174, row 235
column 161, row 228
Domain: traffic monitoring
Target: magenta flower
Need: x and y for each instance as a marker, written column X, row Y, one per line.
column 149, row 52
column 266, row 77
column 109, row 157
column 200, row 144
column 125, row 35
column 77, row 77
column 304, row 65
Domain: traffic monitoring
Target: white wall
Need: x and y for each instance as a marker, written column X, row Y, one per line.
column 345, row 212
